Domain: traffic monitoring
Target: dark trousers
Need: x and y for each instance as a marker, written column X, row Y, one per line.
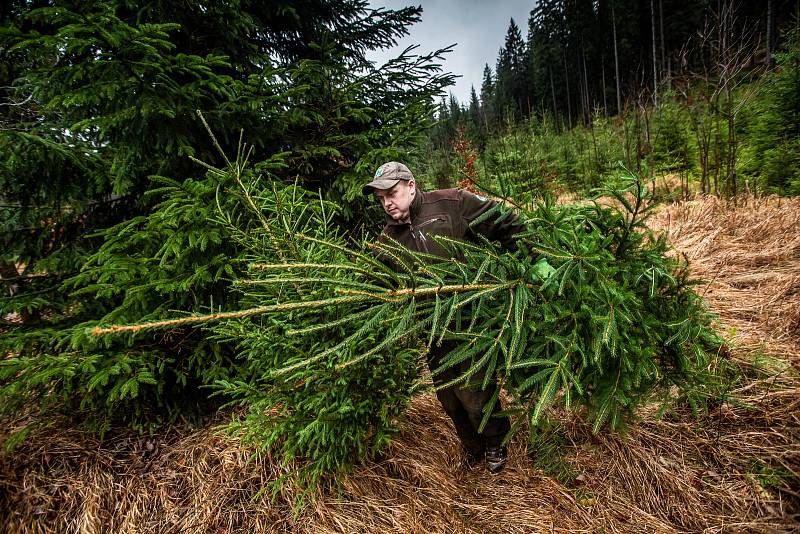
column 465, row 404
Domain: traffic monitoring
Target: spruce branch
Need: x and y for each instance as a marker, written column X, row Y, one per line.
column 214, row 138
column 98, row 331
column 412, row 292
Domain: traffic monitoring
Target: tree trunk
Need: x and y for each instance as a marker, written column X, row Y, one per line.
column 664, row 61
column 616, row 59
column 553, row 93
column 626, row 135
column 702, row 127
column 603, row 69
column 597, row 165
column 717, row 145
column 638, row 125
column 587, row 109
column 733, row 186
column 770, row 29
column 569, row 105
column 655, row 60
column 8, row 271
column 702, row 145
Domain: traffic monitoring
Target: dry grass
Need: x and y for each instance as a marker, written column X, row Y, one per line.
column 750, row 259
column 733, row 470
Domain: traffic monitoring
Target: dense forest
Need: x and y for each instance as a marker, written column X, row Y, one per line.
column 186, row 242
column 704, row 90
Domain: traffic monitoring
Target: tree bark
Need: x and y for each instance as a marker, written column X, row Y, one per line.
column 733, row 186
column 655, row 60
column 603, row 69
column 664, row 62
column 616, row 59
column 569, row 105
column 587, row 110
column 553, row 93
column 770, row 30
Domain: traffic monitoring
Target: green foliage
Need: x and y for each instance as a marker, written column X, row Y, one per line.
column 178, row 258
column 536, row 157
column 614, row 323
column 711, row 141
column 104, row 213
column 101, row 100
column 773, row 155
column 672, row 144
column 769, row 476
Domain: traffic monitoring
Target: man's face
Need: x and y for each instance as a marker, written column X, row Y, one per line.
column 397, row 200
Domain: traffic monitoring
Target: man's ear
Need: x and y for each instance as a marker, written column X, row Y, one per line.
column 412, row 184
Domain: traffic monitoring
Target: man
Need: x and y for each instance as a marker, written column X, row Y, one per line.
column 411, row 216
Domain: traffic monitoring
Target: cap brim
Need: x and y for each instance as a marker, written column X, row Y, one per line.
column 381, row 185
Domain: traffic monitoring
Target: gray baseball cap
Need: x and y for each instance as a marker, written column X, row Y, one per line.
column 387, row 176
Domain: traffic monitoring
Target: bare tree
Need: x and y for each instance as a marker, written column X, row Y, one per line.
column 726, row 49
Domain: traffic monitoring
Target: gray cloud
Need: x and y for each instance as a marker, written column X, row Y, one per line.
column 478, row 27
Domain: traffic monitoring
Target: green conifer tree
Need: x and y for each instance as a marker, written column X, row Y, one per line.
column 775, row 133
column 106, row 215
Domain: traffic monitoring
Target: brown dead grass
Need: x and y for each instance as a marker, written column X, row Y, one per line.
column 733, row 470
column 750, row 259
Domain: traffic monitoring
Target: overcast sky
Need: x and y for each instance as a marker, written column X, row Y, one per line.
column 478, row 26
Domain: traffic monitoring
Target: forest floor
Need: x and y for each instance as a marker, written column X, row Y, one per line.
column 733, row 469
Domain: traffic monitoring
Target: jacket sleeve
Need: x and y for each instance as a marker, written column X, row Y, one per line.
column 494, row 229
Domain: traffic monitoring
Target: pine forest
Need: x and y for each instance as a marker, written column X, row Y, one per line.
column 205, row 326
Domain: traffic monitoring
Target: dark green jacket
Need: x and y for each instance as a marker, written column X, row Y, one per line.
column 449, row 212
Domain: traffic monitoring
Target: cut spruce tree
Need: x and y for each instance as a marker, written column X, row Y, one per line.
column 591, row 312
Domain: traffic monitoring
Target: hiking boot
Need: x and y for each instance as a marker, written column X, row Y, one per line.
column 496, row 459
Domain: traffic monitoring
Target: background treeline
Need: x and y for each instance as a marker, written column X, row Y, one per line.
column 707, row 91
